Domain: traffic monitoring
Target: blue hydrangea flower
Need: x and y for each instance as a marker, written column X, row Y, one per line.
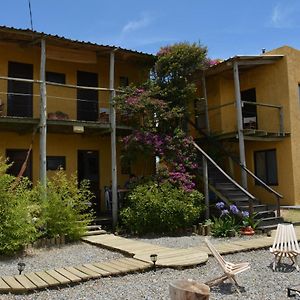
column 245, row 214
column 220, row 205
column 234, row 209
column 224, row 212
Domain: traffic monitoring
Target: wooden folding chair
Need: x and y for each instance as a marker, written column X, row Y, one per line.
column 285, row 245
column 230, row 269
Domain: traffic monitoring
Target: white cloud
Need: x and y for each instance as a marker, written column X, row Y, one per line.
column 134, row 25
column 283, row 15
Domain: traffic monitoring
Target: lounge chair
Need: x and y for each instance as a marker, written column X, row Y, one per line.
column 285, row 245
column 230, row 269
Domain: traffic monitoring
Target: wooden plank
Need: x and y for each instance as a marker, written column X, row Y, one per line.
column 47, row 278
column 107, row 267
column 58, row 277
column 98, row 270
column 39, row 283
column 120, row 266
column 4, row 287
column 14, row 284
column 76, row 272
column 28, row 285
column 127, row 267
column 68, row 275
column 136, row 263
column 88, row 271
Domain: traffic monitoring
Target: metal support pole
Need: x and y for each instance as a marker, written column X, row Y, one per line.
column 113, row 140
column 239, row 117
column 43, row 116
column 206, row 104
column 205, row 187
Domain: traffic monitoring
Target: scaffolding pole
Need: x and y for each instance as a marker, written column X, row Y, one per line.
column 43, row 116
column 113, row 140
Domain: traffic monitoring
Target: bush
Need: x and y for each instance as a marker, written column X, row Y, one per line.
column 16, row 226
column 64, row 210
column 155, row 208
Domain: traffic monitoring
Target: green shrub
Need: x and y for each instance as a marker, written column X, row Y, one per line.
column 65, row 209
column 16, row 226
column 160, row 208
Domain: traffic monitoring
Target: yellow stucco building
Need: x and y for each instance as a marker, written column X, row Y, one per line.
column 80, row 80
column 252, row 105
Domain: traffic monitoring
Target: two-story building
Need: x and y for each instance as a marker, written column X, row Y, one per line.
column 72, row 84
column 252, row 110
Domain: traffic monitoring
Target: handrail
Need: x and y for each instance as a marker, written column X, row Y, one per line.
column 265, row 186
column 261, row 182
column 262, row 104
column 223, row 172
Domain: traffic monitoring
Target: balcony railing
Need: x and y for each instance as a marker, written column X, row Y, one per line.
column 63, row 102
column 268, row 119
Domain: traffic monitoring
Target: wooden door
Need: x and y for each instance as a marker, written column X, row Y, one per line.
column 249, row 111
column 87, row 100
column 88, row 168
column 19, row 99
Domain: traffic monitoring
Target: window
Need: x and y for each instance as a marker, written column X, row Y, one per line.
column 124, row 81
column 266, row 166
column 56, row 77
column 55, row 163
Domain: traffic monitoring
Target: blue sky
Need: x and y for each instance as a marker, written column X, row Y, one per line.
column 226, row 27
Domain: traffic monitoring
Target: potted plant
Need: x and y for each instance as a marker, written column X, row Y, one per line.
column 249, row 223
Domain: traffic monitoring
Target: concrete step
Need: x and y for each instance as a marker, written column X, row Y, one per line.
column 95, row 232
column 93, row 227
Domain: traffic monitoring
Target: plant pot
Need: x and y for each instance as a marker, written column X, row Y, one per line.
column 247, row 230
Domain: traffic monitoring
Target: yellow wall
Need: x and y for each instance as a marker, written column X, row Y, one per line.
column 68, row 144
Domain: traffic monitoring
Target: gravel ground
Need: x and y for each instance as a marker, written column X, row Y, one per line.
column 260, row 282
column 47, row 258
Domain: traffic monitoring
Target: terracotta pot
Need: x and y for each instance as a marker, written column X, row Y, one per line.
column 247, row 230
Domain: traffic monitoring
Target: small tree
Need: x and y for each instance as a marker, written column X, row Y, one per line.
column 161, row 105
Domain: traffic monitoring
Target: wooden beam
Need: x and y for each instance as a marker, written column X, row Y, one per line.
column 239, row 117
column 43, row 116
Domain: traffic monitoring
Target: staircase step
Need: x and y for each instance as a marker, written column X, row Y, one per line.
column 265, row 214
column 267, row 227
column 95, row 227
column 256, row 207
column 95, row 232
column 270, row 221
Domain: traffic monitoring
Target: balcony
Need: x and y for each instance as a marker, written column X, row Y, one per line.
column 70, row 109
column 261, row 121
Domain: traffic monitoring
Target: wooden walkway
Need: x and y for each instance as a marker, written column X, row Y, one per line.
column 166, row 257
column 69, row 275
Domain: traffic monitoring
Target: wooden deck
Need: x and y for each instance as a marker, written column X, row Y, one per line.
column 69, row 275
column 166, row 257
